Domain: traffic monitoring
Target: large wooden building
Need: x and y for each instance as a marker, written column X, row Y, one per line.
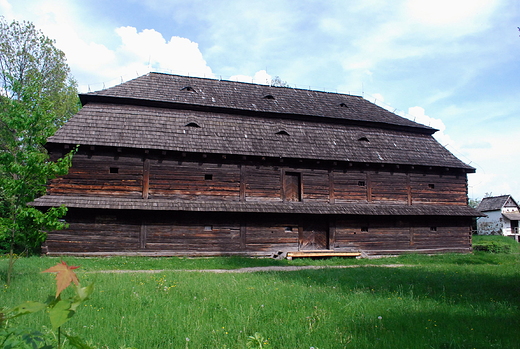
column 175, row 165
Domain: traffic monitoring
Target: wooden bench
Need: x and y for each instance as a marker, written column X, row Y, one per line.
column 303, row 254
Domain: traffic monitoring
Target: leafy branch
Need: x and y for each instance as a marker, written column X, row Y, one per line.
column 59, row 310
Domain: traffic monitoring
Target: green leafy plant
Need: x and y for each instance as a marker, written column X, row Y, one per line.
column 59, row 309
column 257, row 341
column 492, row 246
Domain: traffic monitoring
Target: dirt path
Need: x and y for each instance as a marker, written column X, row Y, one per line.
column 252, row 269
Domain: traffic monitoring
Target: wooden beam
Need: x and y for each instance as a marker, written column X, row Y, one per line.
column 146, row 178
column 332, row 199
column 303, row 254
column 242, row 189
column 243, row 231
column 369, row 187
column 142, row 235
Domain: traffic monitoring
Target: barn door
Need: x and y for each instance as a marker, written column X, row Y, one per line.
column 313, row 236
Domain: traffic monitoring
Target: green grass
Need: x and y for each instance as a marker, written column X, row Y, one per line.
column 441, row 301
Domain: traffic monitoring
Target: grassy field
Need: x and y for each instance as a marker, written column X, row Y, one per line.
column 442, row 301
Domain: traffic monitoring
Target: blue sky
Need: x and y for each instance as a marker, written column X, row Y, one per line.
column 450, row 64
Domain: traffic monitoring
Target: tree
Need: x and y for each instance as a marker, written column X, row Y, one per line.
column 278, row 82
column 36, row 100
column 26, row 55
column 474, row 202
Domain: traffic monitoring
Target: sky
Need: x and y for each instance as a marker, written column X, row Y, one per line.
column 450, row 64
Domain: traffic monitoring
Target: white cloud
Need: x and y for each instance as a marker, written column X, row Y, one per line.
column 496, row 163
column 148, row 47
column 494, row 166
column 95, row 64
column 418, row 115
column 260, row 77
column 6, row 9
column 466, row 15
column 331, row 26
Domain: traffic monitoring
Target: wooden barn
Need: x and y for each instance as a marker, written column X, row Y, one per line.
column 175, row 165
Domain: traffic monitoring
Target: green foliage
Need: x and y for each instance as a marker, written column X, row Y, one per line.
column 27, row 55
column 25, row 169
column 257, row 341
column 59, row 311
column 37, row 97
column 494, row 244
column 493, row 247
column 474, row 202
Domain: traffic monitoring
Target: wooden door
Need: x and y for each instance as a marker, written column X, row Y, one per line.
column 313, row 235
column 292, row 186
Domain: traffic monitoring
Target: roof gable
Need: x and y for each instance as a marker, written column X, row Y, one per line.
column 496, row 203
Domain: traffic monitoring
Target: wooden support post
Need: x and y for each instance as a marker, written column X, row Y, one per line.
column 142, row 236
column 242, row 194
column 369, row 187
column 409, row 188
column 243, row 231
column 332, row 233
column 146, row 178
column 332, row 198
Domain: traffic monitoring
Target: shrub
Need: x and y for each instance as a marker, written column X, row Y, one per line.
column 494, row 244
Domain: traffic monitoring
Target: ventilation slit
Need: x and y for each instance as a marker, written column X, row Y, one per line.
column 282, row 132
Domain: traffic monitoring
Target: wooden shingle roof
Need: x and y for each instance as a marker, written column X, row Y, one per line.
column 223, row 117
column 117, row 203
column 494, row 203
column 188, row 92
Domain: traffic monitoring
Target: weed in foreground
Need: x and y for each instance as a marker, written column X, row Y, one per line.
column 59, row 310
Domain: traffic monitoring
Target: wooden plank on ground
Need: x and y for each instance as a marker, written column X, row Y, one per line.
column 303, row 254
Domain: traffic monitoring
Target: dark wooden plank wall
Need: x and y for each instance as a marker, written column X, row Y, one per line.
column 184, row 233
column 315, row 185
column 91, row 175
column 193, row 236
column 369, row 233
column 389, row 187
column 350, row 186
column 204, row 180
column 449, row 189
column 271, row 232
column 194, row 180
column 96, row 232
column 403, row 234
column 262, row 183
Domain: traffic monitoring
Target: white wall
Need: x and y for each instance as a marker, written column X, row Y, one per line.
column 490, row 225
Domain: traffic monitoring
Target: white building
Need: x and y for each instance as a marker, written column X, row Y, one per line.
column 503, row 214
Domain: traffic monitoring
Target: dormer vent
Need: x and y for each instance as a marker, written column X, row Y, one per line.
column 188, row 88
column 363, row 139
column 269, row 97
column 192, row 124
column 343, row 105
column 283, row 133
